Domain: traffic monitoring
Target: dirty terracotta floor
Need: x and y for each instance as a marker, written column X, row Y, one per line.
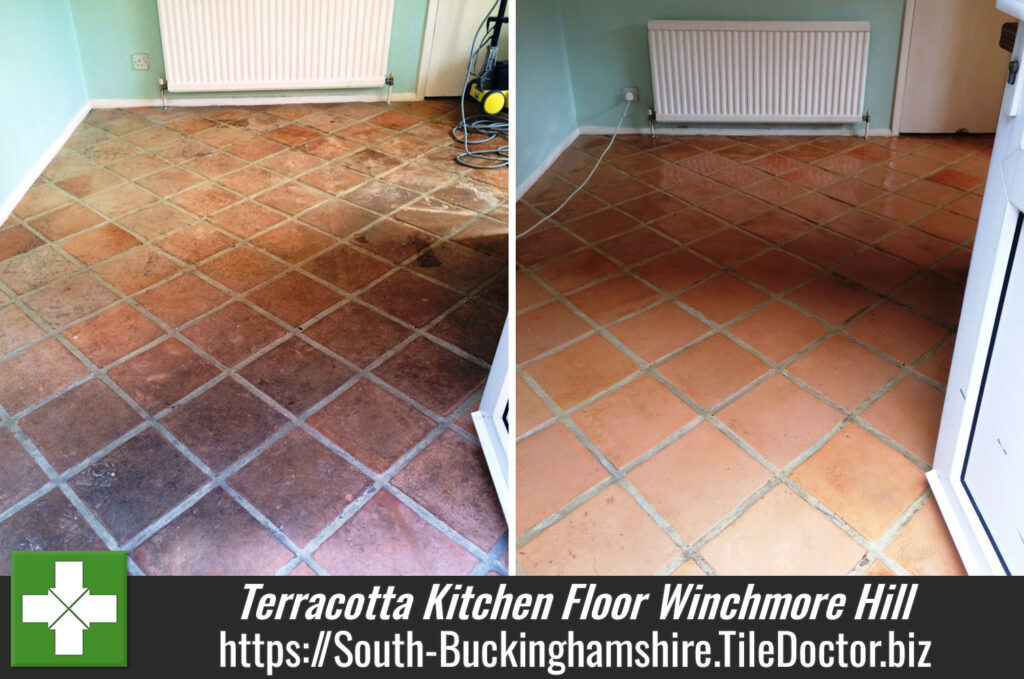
column 248, row 340
column 732, row 354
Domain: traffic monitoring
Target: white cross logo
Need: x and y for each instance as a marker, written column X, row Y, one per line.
column 68, row 608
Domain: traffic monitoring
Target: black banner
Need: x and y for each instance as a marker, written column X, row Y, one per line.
column 540, row 626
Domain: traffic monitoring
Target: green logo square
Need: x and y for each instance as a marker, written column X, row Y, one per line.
column 69, row 609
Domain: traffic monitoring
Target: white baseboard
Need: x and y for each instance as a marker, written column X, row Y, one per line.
column 803, row 130
column 525, row 185
column 11, row 201
column 176, row 101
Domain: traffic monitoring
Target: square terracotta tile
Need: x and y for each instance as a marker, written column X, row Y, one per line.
column 876, row 271
column 156, row 220
column 292, row 198
column 215, row 536
column 542, row 329
column 394, row 241
column 137, row 483
column 778, row 331
column 357, row 333
column 300, row 485
column 242, row 268
column 100, row 243
column 581, row 371
column 776, row 270
column 78, row 423
column 36, row 373
column 723, row 298
column 114, row 333
column 136, row 269
column 863, row 226
column 349, row 269
column 896, row 332
column 867, row 483
column 34, row 269
column 411, row 298
column 713, row 370
column 676, row 270
column 246, row 219
column 450, row 479
column 909, row 414
column 816, row 207
column 696, row 481
column 16, row 329
column 205, row 199
column 387, row 538
column 831, row 299
column 656, row 332
column 782, row 535
column 295, row 298
column 729, row 246
column 181, row 299
column 372, row 425
column 160, row 376
column 688, row 225
column 20, row 474
column 612, row 299
column 70, row 299
column 937, row 365
column 552, row 468
column 432, row 375
column 948, row 225
column 933, row 296
column 195, row 243
column 633, row 419
column 776, row 225
column 223, row 423
column 169, row 182
column 294, row 242
column 843, row 371
column 924, row 546
column 458, row 266
column 17, row 240
column 51, row 523
column 296, row 374
column 779, row 419
column 66, row 221
column 80, row 186
column 608, row 535
column 234, row 333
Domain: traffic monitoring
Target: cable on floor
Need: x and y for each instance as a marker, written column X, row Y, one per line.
column 487, row 127
column 592, row 171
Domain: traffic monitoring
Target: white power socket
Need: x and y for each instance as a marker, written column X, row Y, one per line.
column 140, row 62
column 632, row 93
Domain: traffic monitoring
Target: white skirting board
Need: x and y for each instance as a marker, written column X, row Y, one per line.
column 525, row 185
column 11, row 201
column 745, row 131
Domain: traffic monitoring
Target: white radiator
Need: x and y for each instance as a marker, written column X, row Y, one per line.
column 231, row 45
column 759, row 71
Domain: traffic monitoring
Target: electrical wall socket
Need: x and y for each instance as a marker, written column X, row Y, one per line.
column 140, row 62
column 631, row 93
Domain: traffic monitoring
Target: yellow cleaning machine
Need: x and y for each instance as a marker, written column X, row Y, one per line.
column 489, row 86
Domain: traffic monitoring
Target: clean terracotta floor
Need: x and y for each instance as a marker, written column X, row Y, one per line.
column 249, row 340
column 733, row 351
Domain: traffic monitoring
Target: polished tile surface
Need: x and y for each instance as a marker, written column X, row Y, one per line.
column 732, row 353
column 248, row 340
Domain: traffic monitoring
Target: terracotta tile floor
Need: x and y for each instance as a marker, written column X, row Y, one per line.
column 248, row 340
column 733, row 351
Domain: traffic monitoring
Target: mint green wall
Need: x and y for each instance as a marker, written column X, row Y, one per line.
column 41, row 83
column 606, row 42
column 545, row 108
column 110, row 31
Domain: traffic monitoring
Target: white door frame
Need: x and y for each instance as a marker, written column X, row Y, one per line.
column 492, row 427
column 428, row 45
column 993, row 245
column 901, row 72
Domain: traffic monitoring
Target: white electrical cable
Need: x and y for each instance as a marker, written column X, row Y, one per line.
column 580, row 187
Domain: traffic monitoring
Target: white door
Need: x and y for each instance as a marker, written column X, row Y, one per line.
column 979, row 459
column 492, row 425
column 955, row 67
column 447, row 54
